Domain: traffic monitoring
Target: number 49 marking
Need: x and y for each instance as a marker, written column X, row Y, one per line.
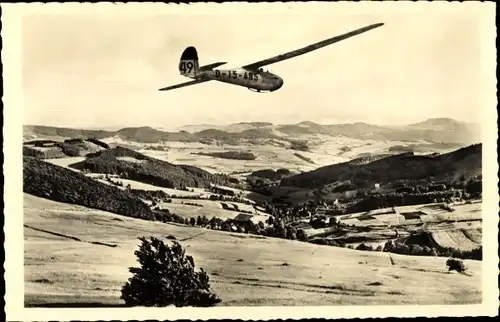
column 186, row 67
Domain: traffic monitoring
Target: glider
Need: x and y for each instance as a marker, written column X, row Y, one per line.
column 251, row 76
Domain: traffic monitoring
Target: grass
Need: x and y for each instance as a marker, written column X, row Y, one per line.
column 209, row 208
column 65, row 162
column 323, row 151
column 64, row 271
column 459, row 229
column 455, row 239
column 144, row 186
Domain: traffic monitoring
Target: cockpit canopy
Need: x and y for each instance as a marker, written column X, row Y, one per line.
column 269, row 72
column 262, row 70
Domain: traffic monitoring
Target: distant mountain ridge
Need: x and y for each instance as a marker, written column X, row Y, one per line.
column 440, row 130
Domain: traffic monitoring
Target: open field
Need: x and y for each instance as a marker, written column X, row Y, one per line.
column 144, row 186
column 65, row 265
column 65, row 162
column 430, row 213
column 324, row 150
column 208, row 208
column 459, row 229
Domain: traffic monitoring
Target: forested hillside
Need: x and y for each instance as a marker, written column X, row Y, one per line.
column 137, row 166
column 462, row 163
column 49, row 181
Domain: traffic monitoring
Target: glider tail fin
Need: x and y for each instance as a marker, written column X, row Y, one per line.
column 188, row 65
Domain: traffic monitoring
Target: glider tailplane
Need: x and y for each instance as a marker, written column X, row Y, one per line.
column 193, row 82
column 188, row 64
column 212, row 66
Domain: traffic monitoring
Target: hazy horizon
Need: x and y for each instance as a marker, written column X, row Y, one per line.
column 104, row 69
column 117, row 127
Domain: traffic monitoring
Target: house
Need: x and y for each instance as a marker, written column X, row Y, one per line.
column 243, row 217
column 350, row 194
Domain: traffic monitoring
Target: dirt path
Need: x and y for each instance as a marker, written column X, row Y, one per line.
column 69, row 237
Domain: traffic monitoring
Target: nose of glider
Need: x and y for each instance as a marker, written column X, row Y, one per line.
column 279, row 83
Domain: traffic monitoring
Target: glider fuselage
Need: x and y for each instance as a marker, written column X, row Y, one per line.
column 261, row 81
column 251, row 76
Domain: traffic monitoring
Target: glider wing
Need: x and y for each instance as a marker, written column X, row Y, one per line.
column 310, row 48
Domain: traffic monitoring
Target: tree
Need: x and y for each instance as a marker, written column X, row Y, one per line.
column 291, row 233
column 302, row 236
column 474, row 186
column 192, row 221
column 416, row 249
column 363, row 246
column 455, row 265
column 389, row 246
column 280, row 231
column 166, row 277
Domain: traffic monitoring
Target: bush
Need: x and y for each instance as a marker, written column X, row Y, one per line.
column 363, row 246
column 302, row 236
column 166, row 277
column 299, row 145
column 455, row 265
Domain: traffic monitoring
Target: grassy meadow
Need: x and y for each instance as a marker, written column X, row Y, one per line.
column 76, row 255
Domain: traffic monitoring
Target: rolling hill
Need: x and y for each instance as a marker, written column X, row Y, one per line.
column 76, row 256
column 407, row 166
column 49, row 149
column 147, row 134
column 432, row 130
column 137, row 166
column 35, row 131
column 62, row 234
column 53, row 182
column 232, row 128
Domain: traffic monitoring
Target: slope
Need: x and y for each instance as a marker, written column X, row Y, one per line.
column 407, row 166
column 136, row 166
column 40, row 130
column 87, row 263
column 57, row 183
column 49, row 149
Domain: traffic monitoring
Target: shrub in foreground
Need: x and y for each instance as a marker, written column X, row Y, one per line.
column 455, row 265
column 166, row 277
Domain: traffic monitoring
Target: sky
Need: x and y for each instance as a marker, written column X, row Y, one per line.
column 103, row 68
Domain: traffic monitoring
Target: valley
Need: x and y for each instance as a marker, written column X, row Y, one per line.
column 323, row 214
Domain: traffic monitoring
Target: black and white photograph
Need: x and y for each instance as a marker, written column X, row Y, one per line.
column 250, row 160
